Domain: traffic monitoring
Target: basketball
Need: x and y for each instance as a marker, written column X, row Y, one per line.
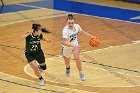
column 94, row 42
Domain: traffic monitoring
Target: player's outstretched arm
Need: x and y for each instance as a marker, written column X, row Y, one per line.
column 46, row 39
column 87, row 34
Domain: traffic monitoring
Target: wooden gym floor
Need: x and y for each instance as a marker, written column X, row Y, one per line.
column 111, row 67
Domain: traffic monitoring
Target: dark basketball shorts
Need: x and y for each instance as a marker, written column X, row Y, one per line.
column 39, row 57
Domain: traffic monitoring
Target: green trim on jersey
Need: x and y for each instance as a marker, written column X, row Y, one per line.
column 33, row 44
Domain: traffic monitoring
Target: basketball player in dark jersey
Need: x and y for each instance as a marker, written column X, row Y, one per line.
column 33, row 51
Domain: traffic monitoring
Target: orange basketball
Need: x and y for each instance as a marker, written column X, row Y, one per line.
column 94, row 42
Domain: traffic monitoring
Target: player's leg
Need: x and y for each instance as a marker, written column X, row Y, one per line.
column 41, row 60
column 66, row 54
column 34, row 66
column 67, row 64
column 42, row 65
column 76, row 54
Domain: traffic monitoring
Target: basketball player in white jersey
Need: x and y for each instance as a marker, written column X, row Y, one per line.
column 70, row 45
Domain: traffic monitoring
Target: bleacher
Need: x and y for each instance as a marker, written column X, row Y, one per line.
column 134, row 1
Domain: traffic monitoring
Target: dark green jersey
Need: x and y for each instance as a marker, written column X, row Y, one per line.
column 33, row 44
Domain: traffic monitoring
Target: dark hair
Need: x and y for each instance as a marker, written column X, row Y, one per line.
column 44, row 30
column 70, row 17
column 36, row 27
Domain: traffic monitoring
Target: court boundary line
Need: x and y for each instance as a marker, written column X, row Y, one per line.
column 38, row 17
column 62, row 15
column 87, row 15
column 66, row 14
column 24, row 20
column 45, row 84
column 27, row 11
column 106, row 5
column 95, row 67
column 54, row 60
column 81, row 13
column 24, row 85
column 133, row 42
column 76, row 84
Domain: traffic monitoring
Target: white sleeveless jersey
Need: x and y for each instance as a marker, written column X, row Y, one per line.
column 71, row 34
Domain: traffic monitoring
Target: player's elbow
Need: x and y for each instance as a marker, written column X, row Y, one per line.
column 64, row 43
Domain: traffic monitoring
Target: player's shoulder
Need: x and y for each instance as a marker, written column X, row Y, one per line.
column 28, row 35
column 77, row 25
column 65, row 29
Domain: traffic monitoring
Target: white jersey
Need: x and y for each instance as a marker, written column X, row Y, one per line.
column 71, row 34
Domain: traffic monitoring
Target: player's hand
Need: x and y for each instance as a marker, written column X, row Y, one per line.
column 94, row 37
column 76, row 45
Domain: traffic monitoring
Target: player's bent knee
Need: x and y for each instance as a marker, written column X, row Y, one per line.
column 44, row 67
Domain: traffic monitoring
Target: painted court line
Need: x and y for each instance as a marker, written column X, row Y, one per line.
column 85, row 14
column 32, row 6
column 81, row 14
column 28, row 73
column 46, row 83
column 109, row 6
column 73, row 83
column 35, row 6
column 133, row 42
column 92, row 67
column 17, row 77
column 96, row 68
column 50, row 16
column 64, row 15
column 25, row 85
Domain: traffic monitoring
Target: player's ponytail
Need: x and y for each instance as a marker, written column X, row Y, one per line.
column 44, row 30
column 70, row 17
column 36, row 27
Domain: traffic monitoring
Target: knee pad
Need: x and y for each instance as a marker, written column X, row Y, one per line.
column 44, row 67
